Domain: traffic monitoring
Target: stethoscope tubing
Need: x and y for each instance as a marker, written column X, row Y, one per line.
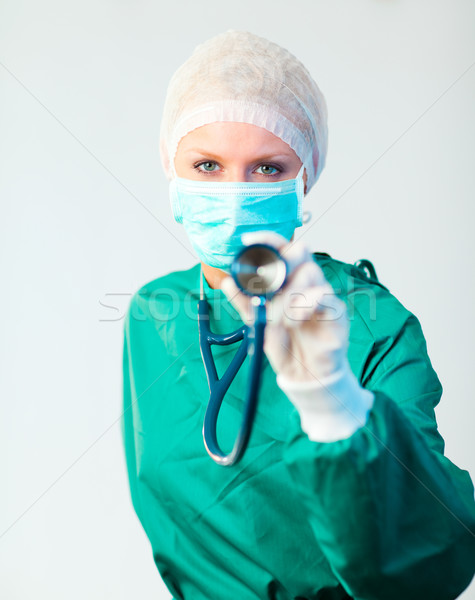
column 252, row 344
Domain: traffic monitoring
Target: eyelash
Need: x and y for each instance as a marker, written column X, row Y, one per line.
column 203, row 162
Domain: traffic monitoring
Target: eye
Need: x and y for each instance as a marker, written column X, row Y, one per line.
column 208, row 166
column 267, row 170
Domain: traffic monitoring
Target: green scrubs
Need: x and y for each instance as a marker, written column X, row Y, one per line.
column 381, row 515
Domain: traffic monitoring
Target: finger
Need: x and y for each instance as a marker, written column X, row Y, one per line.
column 295, row 253
column 332, row 308
column 264, row 237
column 307, row 274
column 318, row 303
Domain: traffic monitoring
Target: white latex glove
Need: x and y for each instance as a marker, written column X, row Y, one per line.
column 306, row 342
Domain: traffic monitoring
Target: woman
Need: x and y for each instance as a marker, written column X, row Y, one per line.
column 343, row 491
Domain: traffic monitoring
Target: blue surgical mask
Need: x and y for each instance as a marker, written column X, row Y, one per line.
column 216, row 214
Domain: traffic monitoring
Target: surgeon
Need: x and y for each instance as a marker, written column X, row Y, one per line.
column 344, row 490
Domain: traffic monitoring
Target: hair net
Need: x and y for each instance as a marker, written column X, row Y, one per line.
column 238, row 76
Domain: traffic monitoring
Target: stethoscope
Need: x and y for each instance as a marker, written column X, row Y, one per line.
column 260, row 271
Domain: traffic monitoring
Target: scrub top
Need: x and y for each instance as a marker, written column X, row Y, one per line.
column 382, row 514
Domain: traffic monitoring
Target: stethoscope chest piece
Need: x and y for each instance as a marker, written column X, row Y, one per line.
column 259, row 270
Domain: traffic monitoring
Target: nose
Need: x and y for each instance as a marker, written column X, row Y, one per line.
column 236, row 173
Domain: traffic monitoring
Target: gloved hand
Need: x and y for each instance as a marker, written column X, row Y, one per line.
column 306, row 342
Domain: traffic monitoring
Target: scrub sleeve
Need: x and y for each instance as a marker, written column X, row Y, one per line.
column 410, row 532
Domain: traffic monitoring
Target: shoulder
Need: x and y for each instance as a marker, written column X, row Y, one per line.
column 165, row 293
column 340, row 273
column 384, row 335
column 373, row 310
column 180, row 281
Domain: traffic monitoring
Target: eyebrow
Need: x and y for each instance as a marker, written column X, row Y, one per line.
column 268, row 156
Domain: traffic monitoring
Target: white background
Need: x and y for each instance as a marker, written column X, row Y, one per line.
column 85, row 221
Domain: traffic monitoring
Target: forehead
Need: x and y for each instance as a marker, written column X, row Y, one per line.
column 233, row 139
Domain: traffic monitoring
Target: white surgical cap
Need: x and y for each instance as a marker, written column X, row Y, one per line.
column 238, row 76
